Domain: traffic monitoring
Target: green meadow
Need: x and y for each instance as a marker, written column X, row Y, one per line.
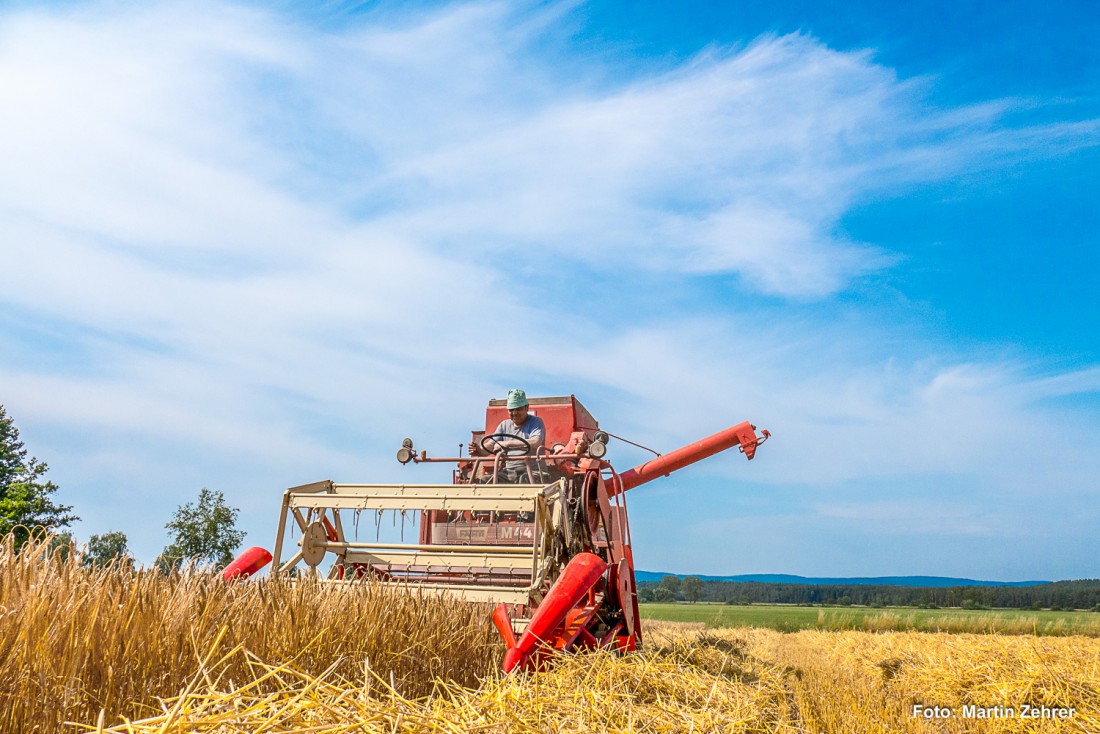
column 790, row 618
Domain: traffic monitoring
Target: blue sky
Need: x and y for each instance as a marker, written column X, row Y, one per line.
column 248, row 247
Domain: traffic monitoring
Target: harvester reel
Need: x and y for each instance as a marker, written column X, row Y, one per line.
column 313, row 539
column 513, row 451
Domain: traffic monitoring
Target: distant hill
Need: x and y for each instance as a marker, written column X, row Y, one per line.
column 781, row 578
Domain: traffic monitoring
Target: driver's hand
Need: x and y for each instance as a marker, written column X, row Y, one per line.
column 472, row 448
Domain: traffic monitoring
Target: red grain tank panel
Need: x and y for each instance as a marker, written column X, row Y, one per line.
column 562, row 416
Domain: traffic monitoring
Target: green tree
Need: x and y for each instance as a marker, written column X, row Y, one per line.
column 25, row 498
column 692, row 588
column 103, row 549
column 663, row 595
column 205, row 533
column 671, row 584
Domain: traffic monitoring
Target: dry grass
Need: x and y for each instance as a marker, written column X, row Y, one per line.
column 863, row 682
column 591, row 693
column 687, row 681
column 188, row 654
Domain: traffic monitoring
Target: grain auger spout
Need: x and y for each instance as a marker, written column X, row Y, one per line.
column 743, row 435
column 534, row 521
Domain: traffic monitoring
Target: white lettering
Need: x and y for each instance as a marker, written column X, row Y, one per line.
column 930, row 712
column 970, row 711
column 1028, row 711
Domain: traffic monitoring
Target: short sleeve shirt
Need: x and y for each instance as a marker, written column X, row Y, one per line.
column 533, row 430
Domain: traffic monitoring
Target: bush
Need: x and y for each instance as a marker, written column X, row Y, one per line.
column 662, row 594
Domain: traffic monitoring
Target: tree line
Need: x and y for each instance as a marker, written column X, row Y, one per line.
column 1082, row 594
column 202, row 533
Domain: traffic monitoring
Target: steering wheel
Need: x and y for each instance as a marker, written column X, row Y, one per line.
column 508, row 450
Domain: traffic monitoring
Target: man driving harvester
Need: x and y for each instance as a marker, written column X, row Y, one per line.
column 520, row 434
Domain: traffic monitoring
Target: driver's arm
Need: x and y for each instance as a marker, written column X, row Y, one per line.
column 494, row 447
column 538, row 440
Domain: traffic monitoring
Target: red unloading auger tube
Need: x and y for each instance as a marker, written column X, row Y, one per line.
column 246, row 564
column 743, row 435
column 579, row 576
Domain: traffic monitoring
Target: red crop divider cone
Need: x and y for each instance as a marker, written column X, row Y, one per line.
column 246, row 564
column 579, row 576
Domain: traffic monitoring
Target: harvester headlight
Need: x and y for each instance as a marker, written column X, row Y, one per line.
column 597, row 449
column 601, row 436
column 404, row 455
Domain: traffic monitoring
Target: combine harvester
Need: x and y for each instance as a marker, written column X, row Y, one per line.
column 553, row 553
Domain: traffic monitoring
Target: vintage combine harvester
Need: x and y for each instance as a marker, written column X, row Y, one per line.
column 553, row 553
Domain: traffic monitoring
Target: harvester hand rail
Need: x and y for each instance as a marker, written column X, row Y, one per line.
column 415, row 490
column 418, row 503
column 506, row 497
column 502, row 549
column 476, row 459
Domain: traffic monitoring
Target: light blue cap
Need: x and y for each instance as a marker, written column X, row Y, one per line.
column 516, row 398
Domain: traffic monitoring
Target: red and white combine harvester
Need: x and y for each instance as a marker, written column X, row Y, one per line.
column 553, row 553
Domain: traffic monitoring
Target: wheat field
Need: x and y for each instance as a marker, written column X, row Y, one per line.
column 76, row 641
column 114, row 650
